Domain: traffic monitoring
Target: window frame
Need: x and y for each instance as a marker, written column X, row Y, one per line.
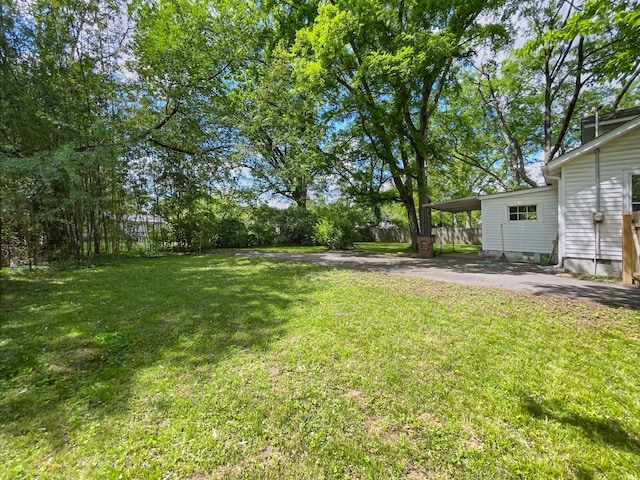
column 627, row 190
column 635, row 205
column 523, row 211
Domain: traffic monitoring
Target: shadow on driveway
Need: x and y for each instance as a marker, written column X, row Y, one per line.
column 611, row 295
column 470, row 269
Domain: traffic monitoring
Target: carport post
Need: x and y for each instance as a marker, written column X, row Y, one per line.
column 453, row 236
column 441, row 232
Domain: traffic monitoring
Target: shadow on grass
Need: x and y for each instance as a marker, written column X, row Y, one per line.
column 72, row 341
column 604, row 430
column 542, row 279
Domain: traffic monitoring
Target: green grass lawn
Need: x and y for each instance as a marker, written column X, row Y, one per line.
column 291, row 249
column 379, row 247
column 405, row 248
column 197, row 367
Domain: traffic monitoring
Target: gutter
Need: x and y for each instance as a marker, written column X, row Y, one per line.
column 548, row 177
column 560, row 240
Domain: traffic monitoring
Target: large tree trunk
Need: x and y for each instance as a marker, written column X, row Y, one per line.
column 414, row 227
column 423, row 195
column 406, row 196
column 299, row 195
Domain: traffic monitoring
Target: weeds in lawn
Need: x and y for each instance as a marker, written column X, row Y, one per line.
column 226, row 367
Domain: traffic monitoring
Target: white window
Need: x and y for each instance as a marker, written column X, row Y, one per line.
column 631, row 190
column 523, row 212
column 635, row 193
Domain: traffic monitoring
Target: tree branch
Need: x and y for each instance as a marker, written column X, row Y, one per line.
column 625, row 88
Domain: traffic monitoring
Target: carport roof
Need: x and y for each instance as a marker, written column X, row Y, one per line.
column 458, row 205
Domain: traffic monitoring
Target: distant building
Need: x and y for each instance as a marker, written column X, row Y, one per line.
column 138, row 226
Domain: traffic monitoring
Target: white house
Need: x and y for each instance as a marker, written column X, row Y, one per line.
column 520, row 225
column 139, row 226
column 577, row 217
column 596, row 183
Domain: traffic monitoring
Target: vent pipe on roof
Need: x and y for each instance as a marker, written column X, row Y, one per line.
column 597, row 132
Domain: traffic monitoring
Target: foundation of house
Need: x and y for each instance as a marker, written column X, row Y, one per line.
column 603, row 267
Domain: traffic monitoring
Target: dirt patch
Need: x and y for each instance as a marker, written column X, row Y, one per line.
column 262, row 460
column 474, row 444
column 273, row 370
column 415, row 472
column 75, row 359
column 382, row 429
column 428, row 418
column 355, row 395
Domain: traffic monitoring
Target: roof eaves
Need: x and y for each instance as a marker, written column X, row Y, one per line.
column 457, row 205
column 597, row 142
column 515, row 193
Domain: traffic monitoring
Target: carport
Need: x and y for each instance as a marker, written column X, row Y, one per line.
column 458, row 205
column 467, row 204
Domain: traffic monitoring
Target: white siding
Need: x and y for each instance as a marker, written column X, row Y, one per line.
column 621, row 154
column 520, row 236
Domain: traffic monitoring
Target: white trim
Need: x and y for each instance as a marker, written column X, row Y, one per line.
column 597, row 142
column 561, row 217
column 609, row 122
column 517, row 192
column 626, row 188
column 524, row 204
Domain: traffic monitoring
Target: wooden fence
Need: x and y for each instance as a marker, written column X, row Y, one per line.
column 444, row 235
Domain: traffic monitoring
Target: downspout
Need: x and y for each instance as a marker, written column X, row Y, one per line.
column 596, row 223
column 549, row 177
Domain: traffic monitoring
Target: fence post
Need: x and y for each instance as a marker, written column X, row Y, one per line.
column 628, row 249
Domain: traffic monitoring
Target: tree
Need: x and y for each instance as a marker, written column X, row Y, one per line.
column 619, row 23
column 59, row 141
column 573, row 59
column 359, row 173
column 388, row 66
column 280, row 129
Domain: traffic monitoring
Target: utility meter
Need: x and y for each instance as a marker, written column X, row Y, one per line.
column 598, row 217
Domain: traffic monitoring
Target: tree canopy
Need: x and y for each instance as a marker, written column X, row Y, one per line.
column 114, row 107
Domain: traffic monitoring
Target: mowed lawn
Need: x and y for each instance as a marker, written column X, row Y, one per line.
column 196, row 367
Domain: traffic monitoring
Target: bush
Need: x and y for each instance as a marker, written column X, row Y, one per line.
column 263, row 227
column 295, row 227
column 230, row 233
column 335, row 234
column 270, row 226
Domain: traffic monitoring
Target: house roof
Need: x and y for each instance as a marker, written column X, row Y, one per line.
column 143, row 218
column 554, row 165
column 606, row 122
column 516, row 193
column 474, row 203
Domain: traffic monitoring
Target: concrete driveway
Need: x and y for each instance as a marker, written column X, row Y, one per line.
column 470, row 269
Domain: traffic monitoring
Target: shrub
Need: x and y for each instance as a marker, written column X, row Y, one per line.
column 271, row 226
column 335, row 234
column 295, row 226
column 230, row 233
column 263, row 227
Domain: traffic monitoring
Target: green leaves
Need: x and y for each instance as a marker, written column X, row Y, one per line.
column 282, row 98
column 387, row 66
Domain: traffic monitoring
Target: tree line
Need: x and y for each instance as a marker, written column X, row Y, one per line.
column 113, row 107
